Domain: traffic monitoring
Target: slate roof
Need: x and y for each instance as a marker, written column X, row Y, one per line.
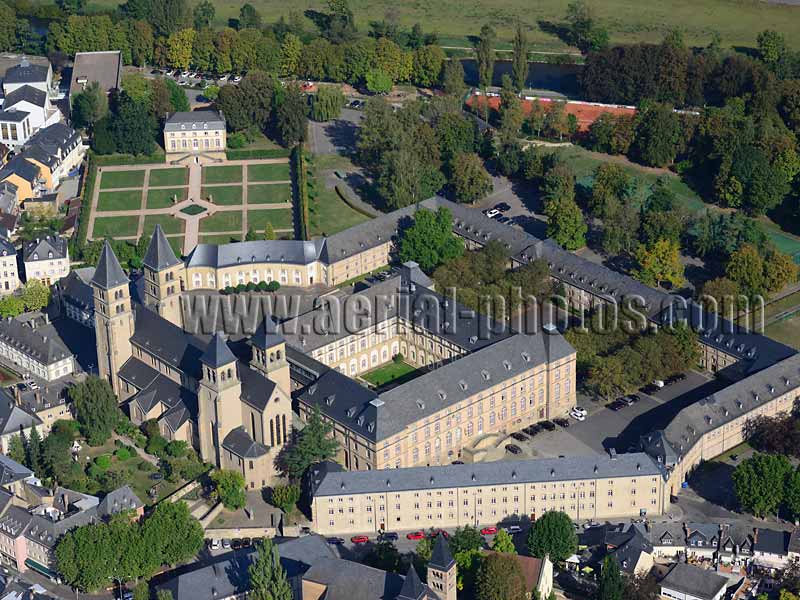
column 108, row 273
column 123, row 498
column 168, row 342
column 7, row 248
column 51, row 144
column 413, row 588
column 482, row 474
column 295, row 252
column 41, row 344
column 241, row 444
column 347, row 580
column 22, row 168
column 138, row 373
column 77, row 289
column 771, row 541
column 217, row 352
column 45, row 248
column 26, row 93
column 11, row 471
column 198, row 119
column 267, row 335
column 13, row 115
column 256, row 389
column 441, row 557
column 104, row 67
column 25, row 72
column 700, row 583
column 159, row 254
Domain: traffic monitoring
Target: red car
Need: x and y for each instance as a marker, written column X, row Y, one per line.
column 416, row 535
column 359, row 539
column 440, row 531
column 488, row 530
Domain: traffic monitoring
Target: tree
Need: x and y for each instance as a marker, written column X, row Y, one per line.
column 203, row 13
column 95, row 409
column 465, row 538
column 249, row 17
column 8, row 27
column 611, row 182
column 791, row 495
column 11, row 306
column 553, row 535
column 267, row 577
column 453, row 77
column 132, row 127
column 519, row 58
column 779, row 270
column 229, row 488
column 291, row 51
column 269, row 232
column 611, row 583
column 141, row 591
column 500, row 578
column 746, row 269
column 313, row 444
column 583, row 32
column 721, row 296
column 179, row 48
column 292, row 119
column 469, row 179
column 16, row 448
column 285, row 497
column 168, row 16
column 177, row 96
column 378, row 82
column 327, row 103
column 35, row 294
column 164, row 595
column 71, row 7
column 659, row 263
column 484, row 54
column 404, row 179
column 771, row 48
column 759, row 483
column 250, row 235
column 657, row 136
column 384, row 556
column 503, row 542
column 426, row 65
column 172, row 533
column 430, row 240
column 566, row 224
column 33, row 451
column 89, row 106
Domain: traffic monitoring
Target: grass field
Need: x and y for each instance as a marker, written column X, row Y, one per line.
column 115, row 227
column 387, row 373
column 786, row 331
column 219, row 239
column 268, row 172
column 737, row 21
column 224, row 195
column 328, row 213
column 222, row 221
column 121, row 179
column 163, row 198
column 226, row 174
column 168, row 223
column 269, row 193
column 126, row 200
column 280, row 219
column 178, row 176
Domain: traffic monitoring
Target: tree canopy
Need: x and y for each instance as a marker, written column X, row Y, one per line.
column 553, row 535
column 95, row 409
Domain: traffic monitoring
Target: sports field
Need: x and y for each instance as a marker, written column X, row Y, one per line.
column 737, row 21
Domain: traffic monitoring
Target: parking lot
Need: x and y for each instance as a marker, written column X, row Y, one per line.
column 621, row 429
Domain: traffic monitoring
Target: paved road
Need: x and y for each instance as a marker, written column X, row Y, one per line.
column 337, row 136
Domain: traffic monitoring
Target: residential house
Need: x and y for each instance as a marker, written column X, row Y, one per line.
column 9, row 276
column 197, row 136
column 770, row 548
column 46, row 259
column 687, row 582
column 12, row 478
column 702, row 540
column 75, row 292
column 34, row 350
column 57, row 149
column 25, row 176
column 735, row 544
column 103, row 67
column 667, row 539
column 25, row 111
column 25, row 71
column 15, row 419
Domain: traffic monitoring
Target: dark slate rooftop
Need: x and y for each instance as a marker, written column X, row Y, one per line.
column 77, row 288
column 295, row 252
column 13, row 115
column 700, row 583
column 46, row 248
column 20, row 167
column 11, row 471
column 441, row 557
column 771, row 541
column 108, row 273
column 7, row 248
column 25, row 72
column 26, row 93
column 159, row 254
column 217, row 352
column 198, row 119
column 41, row 344
column 239, row 442
column 104, row 67
column 483, row 474
column 347, row 580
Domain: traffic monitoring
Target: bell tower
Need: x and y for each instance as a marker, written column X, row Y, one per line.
column 442, row 571
column 162, row 278
column 113, row 317
column 269, row 356
column 218, row 398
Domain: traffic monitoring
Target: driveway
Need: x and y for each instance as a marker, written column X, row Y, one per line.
column 337, row 136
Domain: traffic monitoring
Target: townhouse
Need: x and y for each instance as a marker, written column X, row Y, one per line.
column 46, row 259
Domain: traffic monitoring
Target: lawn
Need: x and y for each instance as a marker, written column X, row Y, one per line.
column 163, row 198
column 168, row 223
column 127, row 200
column 226, row 174
column 280, row 219
column 115, row 227
column 268, row 172
column 388, row 373
column 269, row 193
column 193, row 209
column 219, row 239
column 222, row 221
column 164, row 177
column 121, row 179
column 224, row 195
column 329, row 214
column 786, row 331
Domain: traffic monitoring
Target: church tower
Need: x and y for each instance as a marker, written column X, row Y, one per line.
column 113, row 317
column 218, row 398
column 269, row 356
column 442, row 571
column 162, row 278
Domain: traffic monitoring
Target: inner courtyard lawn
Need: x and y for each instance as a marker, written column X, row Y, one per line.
column 388, row 373
column 269, row 193
column 226, row 174
column 280, row 219
column 164, row 177
column 125, row 200
column 115, row 227
column 224, row 195
column 219, row 239
column 222, row 221
column 168, row 223
column 268, row 172
column 121, row 179
column 163, row 198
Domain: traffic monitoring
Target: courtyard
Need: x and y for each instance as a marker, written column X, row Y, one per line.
column 210, row 204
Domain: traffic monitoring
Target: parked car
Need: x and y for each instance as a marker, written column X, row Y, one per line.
column 442, row 532
column 532, row 430
column 488, row 530
column 675, row 378
column 359, row 539
column 492, row 213
column 513, row 449
column 580, row 410
column 548, row 425
column 226, row 544
column 561, row 422
column 389, row 536
column 512, row 529
column 237, row 79
column 246, row 542
column 502, row 206
column 236, row 543
column 503, row 220
column 457, row 462
column 658, row 383
column 335, row 541
column 214, row 544
column 649, row 389
column 616, row 405
column 577, row 416
column 520, row 437
column 415, row 535
column 634, row 398
column 626, row 400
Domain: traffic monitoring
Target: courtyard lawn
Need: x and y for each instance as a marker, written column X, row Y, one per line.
column 226, row 174
column 388, row 373
column 224, row 195
column 218, row 239
column 164, row 177
column 168, row 223
column 126, row 200
column 222, row 221
column 280, row 219
column 268, row 172
column 163, row 198
column 115, row 227
column 269, row 193
column 177, row 245
column 330, row 214
column 121, row 179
